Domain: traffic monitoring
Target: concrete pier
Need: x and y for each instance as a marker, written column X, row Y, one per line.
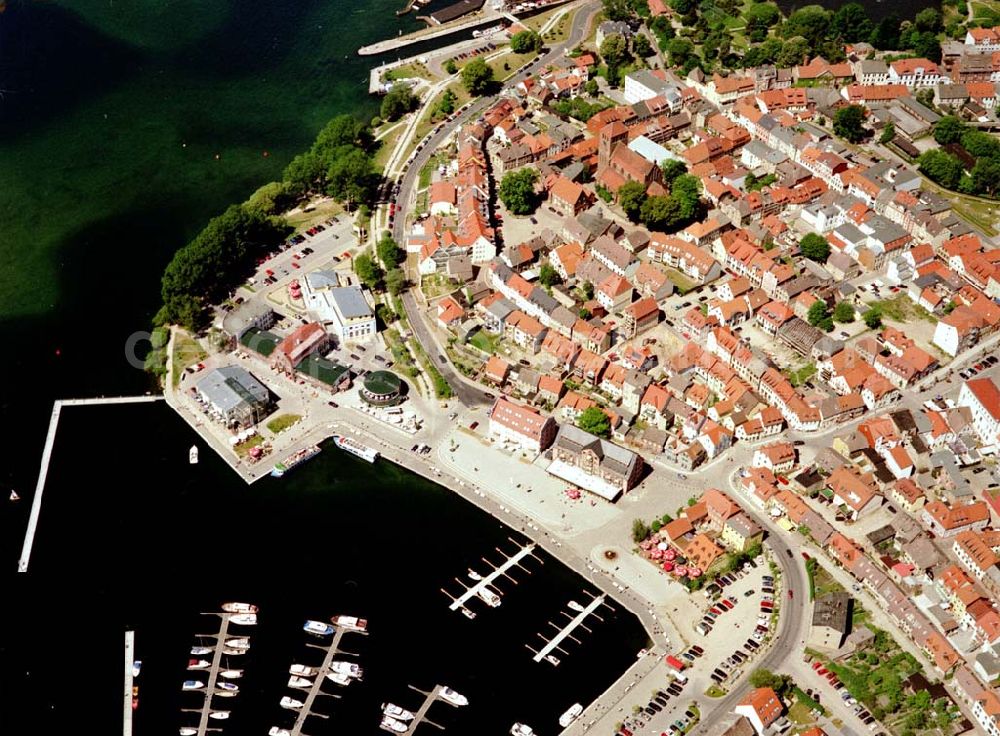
column 127, row 698
column 487, row 580
column 332, row 650
column 213, row 675
column 43, row 471
column 567, row 630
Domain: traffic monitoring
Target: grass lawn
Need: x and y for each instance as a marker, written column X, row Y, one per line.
column 427, row 171
column 802, row 374
column 187, row 352
column 435, row 285
column 983, row 214
column 427, row 119
column 409, row 71
column 319, row 211
column 485, row 341
column 388, row 142
column 283, row 422
column 901, row 308
column 824, row 582
column 715, row 692
column 681, row 282
column 506, row 66
column 243, row 449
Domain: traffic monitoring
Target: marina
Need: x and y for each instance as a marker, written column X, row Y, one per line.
column 482, row 587
column 566, row 632
column 392, row 722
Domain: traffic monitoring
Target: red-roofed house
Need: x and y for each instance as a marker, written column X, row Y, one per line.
column 761, row 707
column 522, row 426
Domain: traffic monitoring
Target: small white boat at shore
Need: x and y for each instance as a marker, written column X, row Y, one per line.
column 244, row 619
column 350, row 669
column 576, row 607
column 219, row 715
column 394, row 711
column 291, row 703
column 236, row 607
column 192, row 685
column 519, row 729
column 391, row 724
column 231, row 674
column 301, row 670
column 226, row 694
column 241, row 643
column 352, row 623
column 317, row 627
column 295, row 681
column 490, row 597
column 136, row 668
column 552, row 659
column 570, row 715
column 452, row 696
column 276, row 731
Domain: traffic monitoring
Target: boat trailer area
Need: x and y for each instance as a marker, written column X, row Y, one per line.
column 482, row 586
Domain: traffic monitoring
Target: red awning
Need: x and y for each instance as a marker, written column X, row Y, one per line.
column 674, row 662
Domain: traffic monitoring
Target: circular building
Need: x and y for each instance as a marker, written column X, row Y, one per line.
column 381, row 388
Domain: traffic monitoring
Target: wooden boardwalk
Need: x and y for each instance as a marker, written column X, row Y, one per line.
column 473, row 591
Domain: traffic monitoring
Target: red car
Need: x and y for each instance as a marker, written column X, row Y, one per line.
column 790, row 594
column 816, row 665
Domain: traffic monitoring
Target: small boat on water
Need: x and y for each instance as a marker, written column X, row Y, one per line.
column 291, row 703
column 452, row 696
column 228, row 686
column 491, row 598
column 301, row 670
column 317, row 627
column 192, row 685
column 519, row 729
column 193, row 455
column 352, row 623
column 14, row 496
column 188, row 731
column 576, row 607
column 468, row 614
column 231, row 674
column 295, row 681
column 240, row 643
column 338, row 678
column 275, row 731
column 200, row 651
column 226, row 694
column 198, row 664
column 394, row 711
column 219, row 715
column 570, row 715
column 473, row 575
column 552, row 659
column 350, row 669
column 244, row 619
column 391, row 724
column 234, row 607
column 136, row 668
column 294, row 460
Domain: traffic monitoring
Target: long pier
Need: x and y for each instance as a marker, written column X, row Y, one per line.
column 213, row 675
column 567, row 630
column 421, row 715
column 473, row 591
column 306, row 710
column 127, row 698
column 43, row 471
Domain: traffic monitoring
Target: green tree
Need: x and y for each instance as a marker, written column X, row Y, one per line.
column 271, row 199
column 350, row 177
column 548, row 276
column 683, row 7
column 888, row 133
column 631, row 196
column 818, row 312
column 367, row 270
column 447, row 104
column 685, row 190
column 517, row 191
column 793, row 52
column 949, row 129
column 395, row 281
column 588, row 290
column 340, row 132
column 658, row 213
column 885, row 37
column 451, row 67
column 815, row 247
column 843, row 313
column 617, row 10
column 851, row 23
column 526, row 42
column 397, row 102
column 640, row 530
column 305, row 173
column 761, row 16
column 873, row 318
column 679, row 51
column 986, row 177
column 614, row 50
column 848, row 123
column 765, row 678
column 477, row 77
column 929, row 19
column 389, row 251
column 981, row 144
column 926, row 45
column 641, row 46
column 941, row 167
column 811, row 22
column 594, row 420
column 671, row 169
column 591, row 87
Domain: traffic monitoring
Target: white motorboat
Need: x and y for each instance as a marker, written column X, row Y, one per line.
column 338, row 678
column 136, row 668
column 275, row 731
column 219, row 715
column 350, row 669
column 236, row 607
column 452, row 696
column 198, row 664
column 199, row 651
column 552, row 659
column 301, row 670
column 227, row 686
column 350, row 622
column 188, row 731
column 244, row 619
column 192, row 685
column 576, row 607
column 193, row 455
column 294, row 681
column 571, row 715
column 317, row 627
column 519, row 729
column 234, row 652
column 231, row 674
column 391, row 724
column 225, row 694
column 394, row 711
column 491, row 598
column 241, row 643
column 14, row 496
column 468, row 614
column 473, row 575
column 291, row 703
